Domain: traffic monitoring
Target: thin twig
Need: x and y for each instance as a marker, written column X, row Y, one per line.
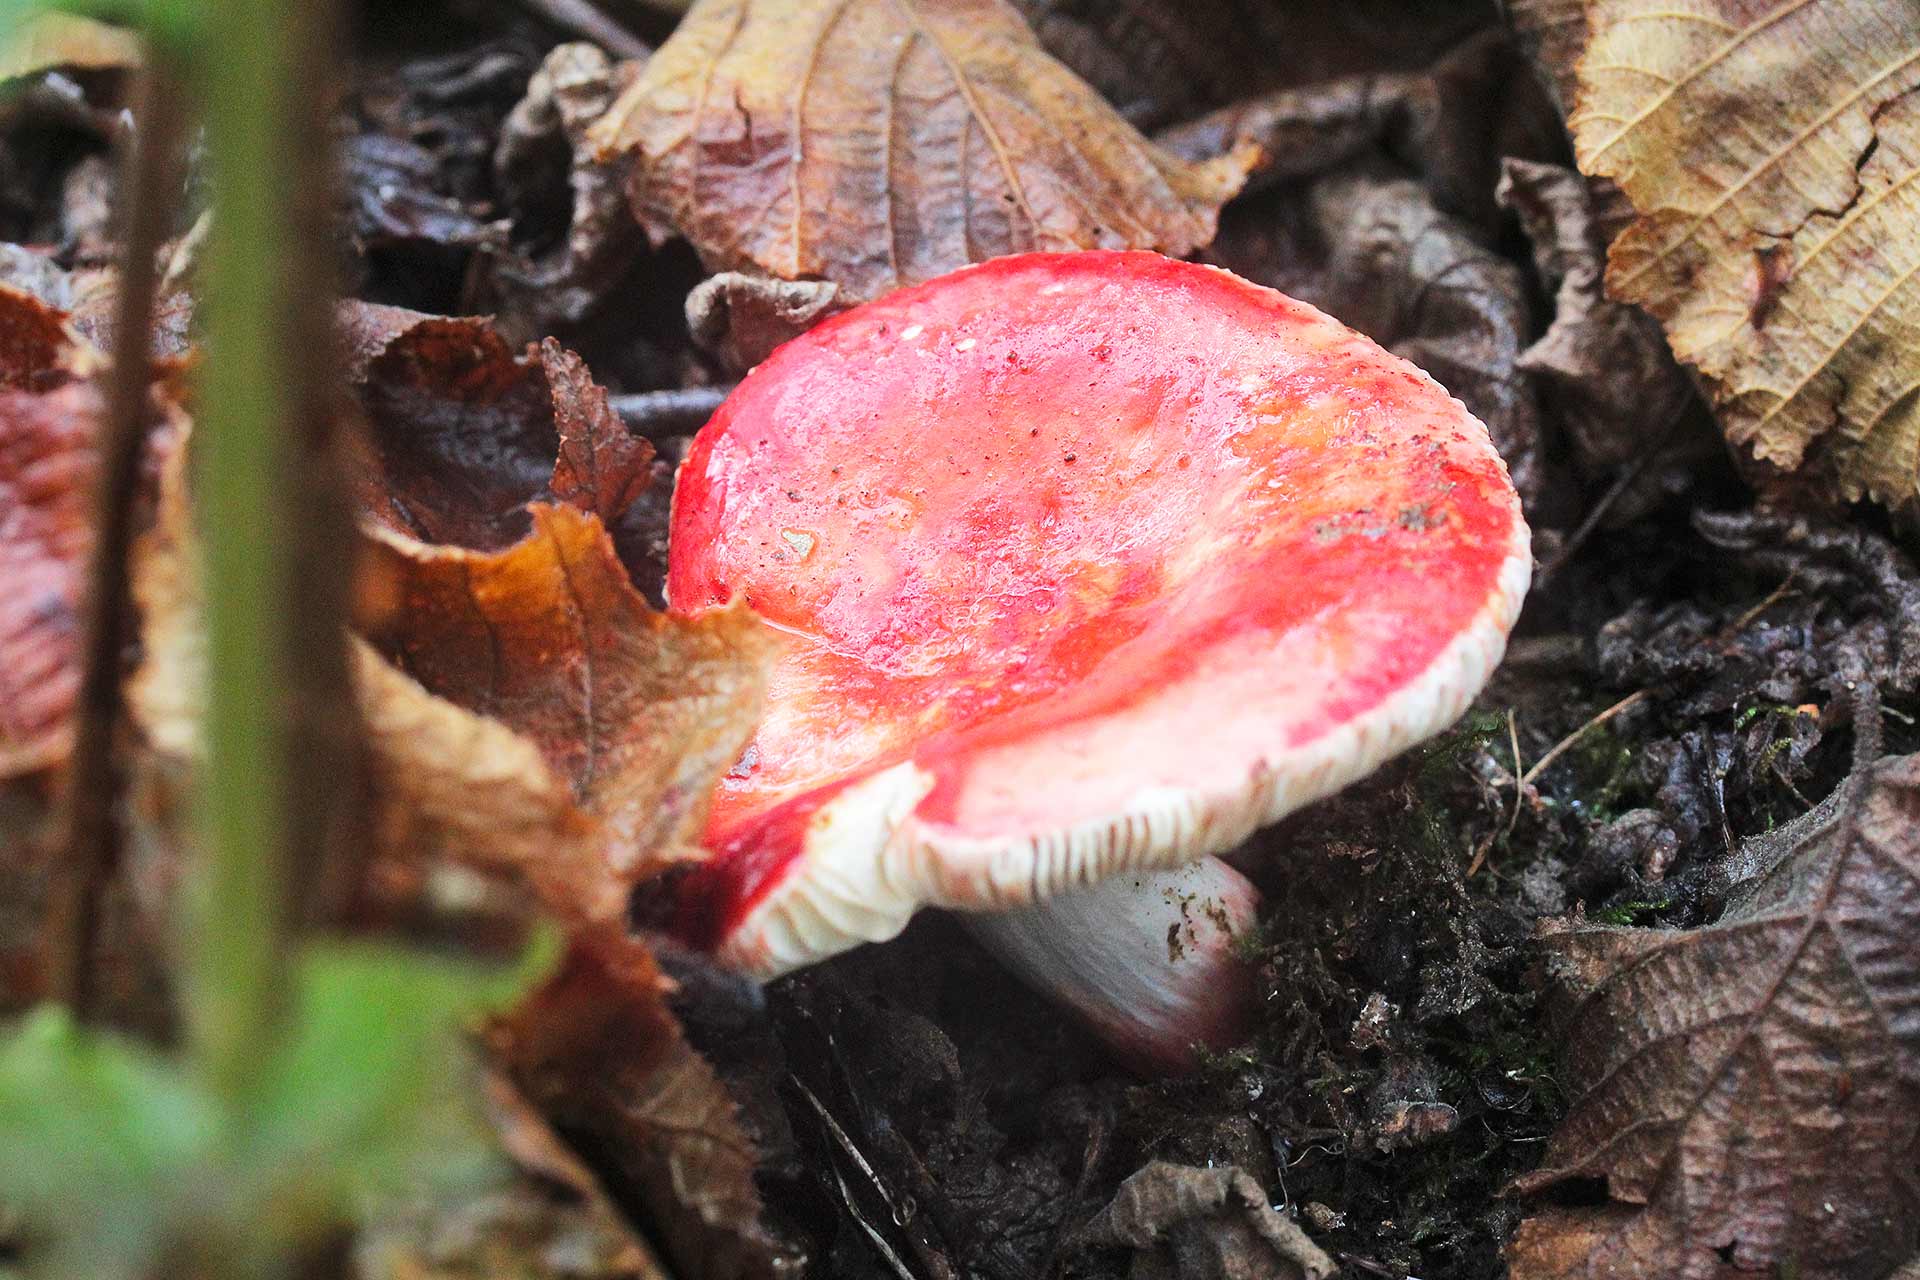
column 680, row 411
column 1560, row 747
column 1370, row 1266
column 1519, row 789
column 584, row 20
column 93, row 835
column 1773, row 597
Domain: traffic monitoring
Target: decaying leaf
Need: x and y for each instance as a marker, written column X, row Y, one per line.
column 875, row 143
column 1435, row 123
column 543, row 151
column 1750, row 1091
column 1552, row 32
column 557, row 737
column 547, row 1218
column 50, row 412
column 599, row 1052
column 1161, row 62
column 525, row 710
column 457, row 785
column 47, row 467
column 739, row 319
column 1204, row 1224
column 38, row 346
column 1603, row 365
column 637, row 711
column 465, row 433
column 1771, row 151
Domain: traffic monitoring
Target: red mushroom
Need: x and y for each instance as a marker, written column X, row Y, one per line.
column 1089, row 563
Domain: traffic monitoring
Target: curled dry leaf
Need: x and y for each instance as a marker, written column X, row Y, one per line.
column 47, row 464
column 544, row 1218
column 1771, row 151
column 1162, row 62
column 525, row 709
column 598, row 1051
column 739, row 319
column 1603, row 365
column 557, row 280
column 1446, row 123
column 50, row 413
column 875, row 143
column 637, row 711
column 1204, row 1224
column 464, row 432
column 1750, row 1091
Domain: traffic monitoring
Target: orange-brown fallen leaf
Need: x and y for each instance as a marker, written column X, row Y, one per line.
column 525, row 710
column 597, row 1049
column 38, row 346
column 551, row 725
column 1750, row 1091
column 47, row 467
column 50, row 413
column 1771, row 151
column 636, row 712
column 875, row 143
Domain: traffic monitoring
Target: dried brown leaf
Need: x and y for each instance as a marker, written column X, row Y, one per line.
column 599, row 1052
column 875, row 143
column 464, row 432
column 50, row 416
column 1750, row 1091
column 47, row 467
column 739, row 319
column 1447, row 123
column 542, row 719
column 545, row 1218
column 38, row 346
column 1161, row 62
column 1771, row 151
column 639, row 712
column 1552, row 32
column 543, row 149
column 460, row 786
column 1604, row 365
column 1204, row 1224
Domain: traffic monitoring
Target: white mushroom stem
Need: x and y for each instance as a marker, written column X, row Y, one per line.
column 1146, row 958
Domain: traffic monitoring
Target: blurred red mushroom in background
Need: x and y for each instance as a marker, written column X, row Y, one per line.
column 1088, row 564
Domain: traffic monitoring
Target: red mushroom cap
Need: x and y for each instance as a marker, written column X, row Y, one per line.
column 1087, row 562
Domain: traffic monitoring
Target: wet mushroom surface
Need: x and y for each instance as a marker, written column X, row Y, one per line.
column 1084, row 563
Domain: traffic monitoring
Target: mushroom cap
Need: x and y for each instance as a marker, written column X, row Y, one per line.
column 1086, row 562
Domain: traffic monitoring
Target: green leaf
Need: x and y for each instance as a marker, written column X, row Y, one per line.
column 99, row 1137
column 373, row 1087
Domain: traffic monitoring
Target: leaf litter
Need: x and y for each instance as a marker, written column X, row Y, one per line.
column 907, row 1104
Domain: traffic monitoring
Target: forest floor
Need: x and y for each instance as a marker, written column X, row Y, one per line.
column 1681, row 679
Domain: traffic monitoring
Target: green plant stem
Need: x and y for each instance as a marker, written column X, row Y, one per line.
column 255, row 393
